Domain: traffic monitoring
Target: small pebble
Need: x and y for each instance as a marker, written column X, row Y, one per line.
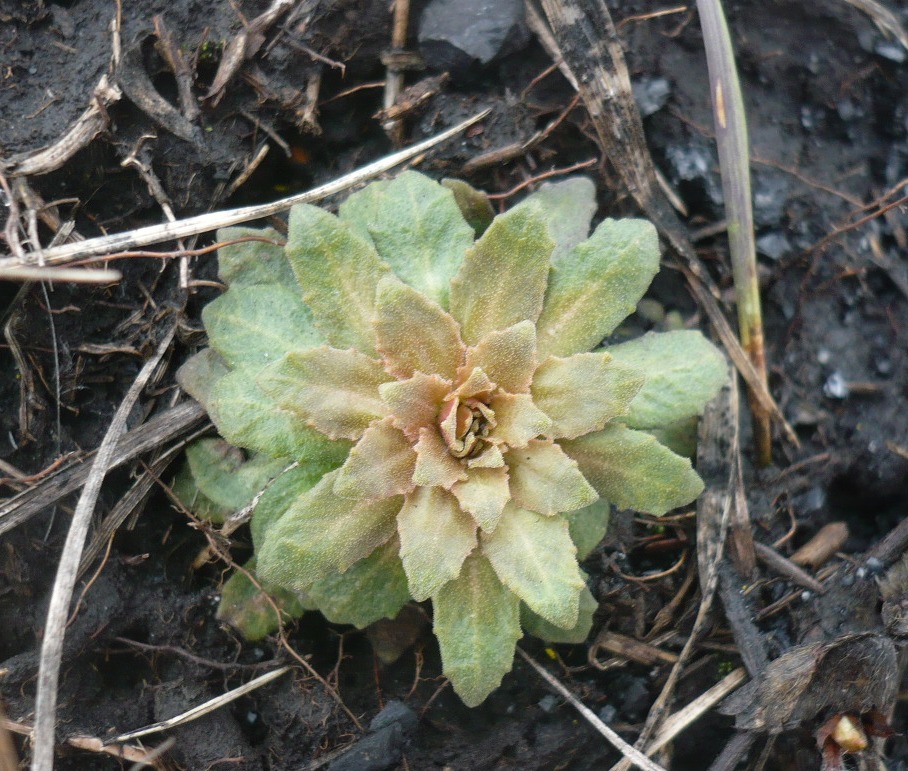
column 835, row 386
column 548, row 703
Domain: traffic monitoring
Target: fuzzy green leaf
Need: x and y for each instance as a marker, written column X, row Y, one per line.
column 321, row 534
column 545, row 480
column 477, row 623
column 188, row 493
column 537, row 626
column 223, row 474
column 413, row 333
column 379, row 466
column 588, row 526
column 502, row 279
column 338, row 271
column 632, row 470
column 474, row 204
column 534, row 557
column 256, row 325
column 334, row 391
column 199, row 373
column 247, row 417
column 281, row 494
column 435, row 537
column 568, row 207
column 415, row 403
column 592, row 289
column 483, row 495
column 373, row 588
column 254, row 262
column 417, row 228
column 680, row 437
column 246, row 608
column 519, row 420
column 683, row 372
column 581, row 393
column 507, row 356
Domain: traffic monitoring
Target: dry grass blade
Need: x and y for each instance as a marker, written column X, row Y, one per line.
column 734, row 164
column 203, row 709
column 129, row 752
column 65, row 580
column 583, row 40
column 193, row 226
column 632, row 756
column 884, row 19
column 714, row 517
column 677, row 722
column 69, row 275
column 156, row 432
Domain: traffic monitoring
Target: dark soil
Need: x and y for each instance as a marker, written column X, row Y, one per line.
column 825, row 93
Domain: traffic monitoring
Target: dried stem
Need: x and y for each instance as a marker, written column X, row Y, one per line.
column 734, row 162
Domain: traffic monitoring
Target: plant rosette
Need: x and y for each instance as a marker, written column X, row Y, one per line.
column 431, row 376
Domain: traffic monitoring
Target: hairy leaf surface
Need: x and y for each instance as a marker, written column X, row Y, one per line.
column 534, row 557
column 477, row 623
column 597, row 286
column 417, row 228
column 683, row 372
column 632, row 470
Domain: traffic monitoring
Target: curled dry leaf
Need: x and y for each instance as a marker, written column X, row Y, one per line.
column 855, row 673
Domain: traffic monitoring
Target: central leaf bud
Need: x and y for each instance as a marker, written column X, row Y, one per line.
column 465, row 426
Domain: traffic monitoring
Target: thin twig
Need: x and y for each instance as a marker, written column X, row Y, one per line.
column 632, row 755
column 203, row 223
column 203, row 709
column 54, row 627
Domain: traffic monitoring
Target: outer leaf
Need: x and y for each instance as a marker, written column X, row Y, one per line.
column 596, row 286
column 256, row 325
column 683, row 372
column 282, row 493
column 583, row 392
column 632, row 470
column 321, row 534
column 503, row 277
column 519, row 420
column 535, row 558
column 253, row 262
column 508, row 357
column 434, row 464
column 373, row 588
column 416, row 227
column 246, row 417
column 545, row 480
column 246, row 608
column 223, row 474
column 435, row 538
column 568, row 206
column 199, row 374
column 338, row 271
column 474, row 205
column 539, row 627
column 679, row 437
column 334, row 391
column 379, row 466
column 588, row 526
column 414, row 334
column 188, row 493
column 415, row 403
column 483, row 495
column 477, row 623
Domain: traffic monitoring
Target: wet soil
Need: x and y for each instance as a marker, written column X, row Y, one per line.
column 825, row 94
